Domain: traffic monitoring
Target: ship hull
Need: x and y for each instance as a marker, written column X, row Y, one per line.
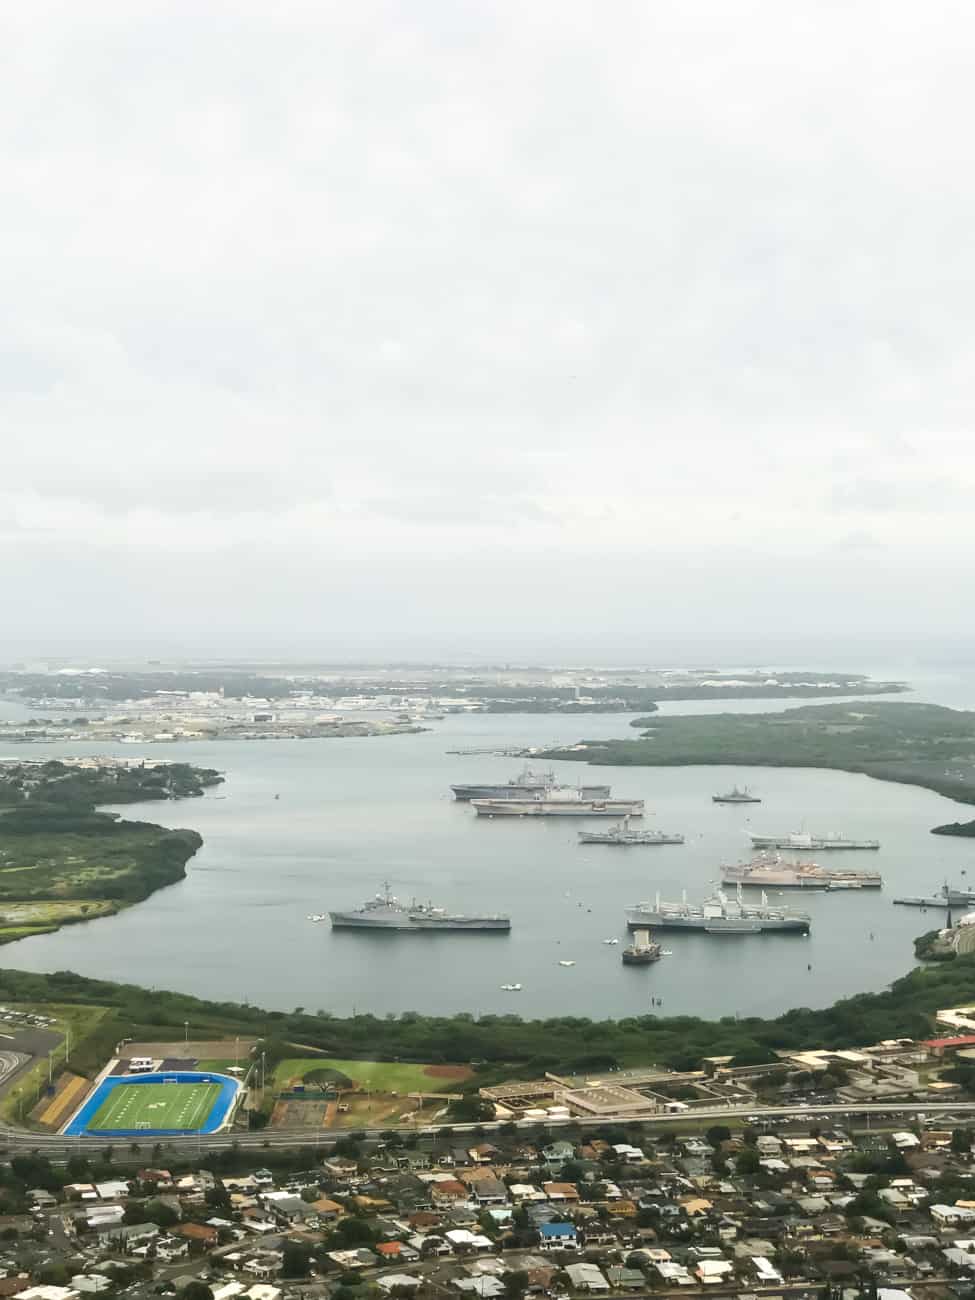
column 717, row 798
column 408, row 925
column 811, row 845
column 593, row 837
column 556, row 808
column 785, row 881
column 637, row 919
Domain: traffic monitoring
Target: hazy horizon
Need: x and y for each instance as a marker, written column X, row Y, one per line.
column 443, row 330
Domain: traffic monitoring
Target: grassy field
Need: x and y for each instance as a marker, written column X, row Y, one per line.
column 156, row 1106
column 23, row 919
column 371, row 1076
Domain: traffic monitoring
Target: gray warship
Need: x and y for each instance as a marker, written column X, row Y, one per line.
column 527, row 782
column 385, row 912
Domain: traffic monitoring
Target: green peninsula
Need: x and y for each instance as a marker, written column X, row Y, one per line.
column 61, row 861
column 919, row 744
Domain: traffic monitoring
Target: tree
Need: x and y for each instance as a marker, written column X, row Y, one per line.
column 961, row 1140
column 296, row 1260
column 515, row 1283
column 718, row 1134
column 748, row 1161
column 196, row 1291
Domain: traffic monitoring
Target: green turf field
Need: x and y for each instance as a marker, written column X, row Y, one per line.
column 156, row 1106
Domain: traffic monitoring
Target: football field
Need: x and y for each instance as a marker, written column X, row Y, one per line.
column 155, row 1106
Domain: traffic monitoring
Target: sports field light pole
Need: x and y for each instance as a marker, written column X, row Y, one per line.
column 186, row 1032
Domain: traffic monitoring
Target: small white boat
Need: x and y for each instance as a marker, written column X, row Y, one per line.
column 566, row 963
column 666, row 952
column 611, row 941
column 511, row 988
column 317, row 916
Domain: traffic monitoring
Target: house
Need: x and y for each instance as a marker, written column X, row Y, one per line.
column 586, row 1277
column 674, row 1274
column 90, row 1283
column 767, row 1274
column 558, row 1153
column 561, row 1192
column 114, row 1190
column 625, row 1279
column 629, row 1154
column 463, row 1241
column 950, row 1215
column 521, row 1192
column 393, row 1281
column 123, row 1236
column 558, row 1236
column 490, row 1191
column 487, row 1287
column 711, row 1272
column 448, row 1191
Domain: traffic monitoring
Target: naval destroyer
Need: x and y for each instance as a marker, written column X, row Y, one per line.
column 525, row 783
column 717, row 915
column 385, row 912
column 624, row 834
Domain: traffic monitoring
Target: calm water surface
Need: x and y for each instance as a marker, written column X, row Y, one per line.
column 353, row 813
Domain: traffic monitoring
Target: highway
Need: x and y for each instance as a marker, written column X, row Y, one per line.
column 55, row 1145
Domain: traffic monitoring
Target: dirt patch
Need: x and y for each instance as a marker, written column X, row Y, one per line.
column 449, row 1071
column 300, row 1114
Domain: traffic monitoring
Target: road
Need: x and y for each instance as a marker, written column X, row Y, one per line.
column 54, row 1145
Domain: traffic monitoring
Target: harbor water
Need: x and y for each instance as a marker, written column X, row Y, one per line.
column 302, row 827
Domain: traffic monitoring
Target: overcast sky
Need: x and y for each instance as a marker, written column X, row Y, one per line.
column 444, row 326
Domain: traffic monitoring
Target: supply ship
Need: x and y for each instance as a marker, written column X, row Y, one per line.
column 804, row 840
column 386, row 912
column 735, row 795
column 717, row 915
column 771, row 872
column 623, row 834
column 565, row 801
column 527, row 782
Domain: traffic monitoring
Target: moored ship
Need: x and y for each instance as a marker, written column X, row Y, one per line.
column 385, row 912
column 642, row 951
column 718, row 914
column 773, row 873
column 623, row 833
column 528, row 782
column 804, row 840
column 734, row 795
column 558, row 802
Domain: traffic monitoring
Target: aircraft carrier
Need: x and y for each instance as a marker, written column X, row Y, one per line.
column 564, row 802
column 527, row 783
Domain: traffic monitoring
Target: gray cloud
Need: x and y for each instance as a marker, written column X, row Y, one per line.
column 444, row 286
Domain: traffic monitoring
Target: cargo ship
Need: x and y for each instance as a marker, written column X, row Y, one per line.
column 803, row 840
column 773, row 873
column 558, row 802
column 642, row 951
column 735, row 795
column 624, row 834
column 717, row 915
column 385, row 912
column 527, row 782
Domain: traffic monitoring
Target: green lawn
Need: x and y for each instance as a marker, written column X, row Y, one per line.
column 157, row 1106
column 374, row 1076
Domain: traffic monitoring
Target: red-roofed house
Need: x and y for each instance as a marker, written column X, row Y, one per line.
column 943, row 1046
